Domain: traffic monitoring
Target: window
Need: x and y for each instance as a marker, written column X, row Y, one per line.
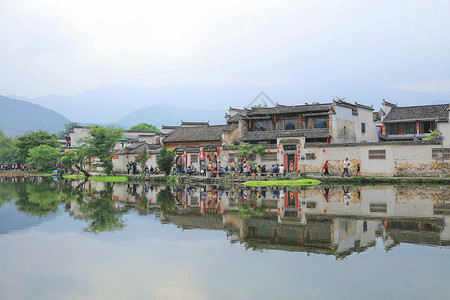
column 320, row 123
column 310, row 156
column 363, row 127
column 391, row 128
column 377, row 154
column 428, row 126
column 316, row 123
column 438, row 153
column 409, row 127
column 289, row 124
column 260, row 126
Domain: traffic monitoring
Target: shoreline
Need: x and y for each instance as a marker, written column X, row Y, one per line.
column 194, row 179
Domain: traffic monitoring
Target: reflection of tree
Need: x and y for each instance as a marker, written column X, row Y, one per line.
column 100, row 212
column 166, row 200
column 7, row 193
column 37, row 199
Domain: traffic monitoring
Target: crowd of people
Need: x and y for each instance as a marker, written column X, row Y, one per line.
column 14, row 167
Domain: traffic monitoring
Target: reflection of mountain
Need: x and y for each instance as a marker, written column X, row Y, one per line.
column 12, row 220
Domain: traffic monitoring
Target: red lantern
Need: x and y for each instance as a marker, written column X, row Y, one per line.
column 268, row 151
column 127, row 155
column 197, row 155
column 299, row 118
column 323, row 150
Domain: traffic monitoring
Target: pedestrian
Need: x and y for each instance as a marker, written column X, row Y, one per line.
column 358, row 170
column 325, row 169
column 128, row 168
column 346, row 165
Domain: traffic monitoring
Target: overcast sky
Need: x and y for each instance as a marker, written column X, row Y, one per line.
column 67, row 47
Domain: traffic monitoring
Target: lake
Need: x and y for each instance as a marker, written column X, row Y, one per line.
column 91, row 240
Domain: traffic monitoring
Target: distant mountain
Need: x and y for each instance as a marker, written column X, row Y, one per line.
column 18, row 117
column 167, row 115
column 103, row 104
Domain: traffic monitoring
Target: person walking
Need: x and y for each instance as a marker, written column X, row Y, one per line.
column 346, row 165
column 325, row 169
column 358, row 170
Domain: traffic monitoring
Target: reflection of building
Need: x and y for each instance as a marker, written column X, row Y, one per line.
column 313, row 220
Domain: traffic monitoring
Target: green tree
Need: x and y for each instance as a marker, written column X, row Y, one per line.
column 43, row 157
column 101, row 144
column 30, row 140
column 246, row 149
column 166, row 160
column 7, row 149
column 144, row 127
column 76, row 159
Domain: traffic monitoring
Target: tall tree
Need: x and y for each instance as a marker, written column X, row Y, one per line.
column 30, row 140
column 144, row 127
column 76, row 159
column 166, row 160
column 101, row 144
column 7, row 149
column 43, row 157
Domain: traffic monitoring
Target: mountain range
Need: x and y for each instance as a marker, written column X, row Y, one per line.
column 126, row 106
column 18, row 117
column 109, row 104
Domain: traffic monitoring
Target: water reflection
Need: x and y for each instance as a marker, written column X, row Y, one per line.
column 331, row 220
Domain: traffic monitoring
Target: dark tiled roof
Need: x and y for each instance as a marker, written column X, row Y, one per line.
column 272, row 135
column 235, row 118
column 324, row 145
column 195, row 123
column 193, row 134
column 169, row 126
column 413, row 113
column 281, row 109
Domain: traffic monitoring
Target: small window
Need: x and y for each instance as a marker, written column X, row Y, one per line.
column 377, row 154
column 310, row 156
column 409, row 128
column 320, row 123
column 260, row 126
column 363, row 127
column 289, row 124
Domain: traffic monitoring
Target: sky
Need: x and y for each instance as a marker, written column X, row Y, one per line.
column 69, row 47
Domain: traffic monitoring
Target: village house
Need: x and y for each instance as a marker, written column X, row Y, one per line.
column 194, row 142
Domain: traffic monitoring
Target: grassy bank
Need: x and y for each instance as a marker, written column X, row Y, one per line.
column 104, row 178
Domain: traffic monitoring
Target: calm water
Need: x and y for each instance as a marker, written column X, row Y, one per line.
column 75, row 240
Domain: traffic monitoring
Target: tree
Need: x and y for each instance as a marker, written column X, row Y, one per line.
column 76, row 159
column 7, row 149
column 165, row 161
column 246, row 149
column 144, row 127
column 101, row 144
column 30, row 140
column 43, row 157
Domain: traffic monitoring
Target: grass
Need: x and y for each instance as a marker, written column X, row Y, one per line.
column 81, row 176
column 109, row 178
column 302, row 182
